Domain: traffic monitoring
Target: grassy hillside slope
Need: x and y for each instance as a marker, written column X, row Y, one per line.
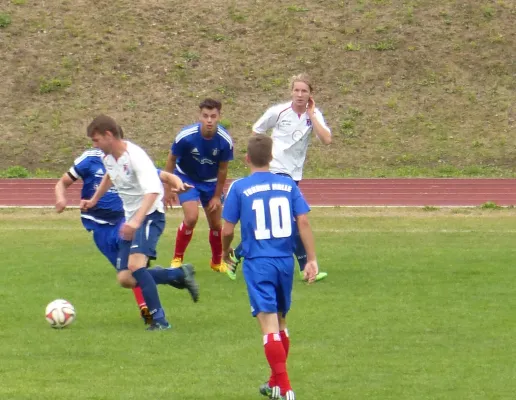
column 409, row 87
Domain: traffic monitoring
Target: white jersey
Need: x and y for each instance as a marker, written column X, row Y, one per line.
column 134, row 175
column 290, row 136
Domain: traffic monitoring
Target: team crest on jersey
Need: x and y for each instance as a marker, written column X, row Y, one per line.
column 215, row 152
column 127, row 170
column 308, row 122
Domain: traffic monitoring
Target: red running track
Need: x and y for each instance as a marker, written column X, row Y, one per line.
column 437, row 192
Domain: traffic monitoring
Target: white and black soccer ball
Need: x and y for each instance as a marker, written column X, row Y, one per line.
column 60, row 313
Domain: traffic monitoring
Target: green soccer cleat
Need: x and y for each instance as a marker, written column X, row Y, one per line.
column 320, row 276
column 232, row 269
column 271, row 393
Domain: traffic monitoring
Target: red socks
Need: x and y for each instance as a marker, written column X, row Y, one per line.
column 277, row 358
column 183, row 237
column 138, row 295
column 216, row 245
column 285, row 340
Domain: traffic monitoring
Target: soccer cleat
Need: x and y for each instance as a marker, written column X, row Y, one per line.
column 176, row 262
column 320, row 276
column 222, row 267
column 271, row 393
column 189, row 281
column 232, row 269
column 146, row 315
column 157, row 326
column 289, row 395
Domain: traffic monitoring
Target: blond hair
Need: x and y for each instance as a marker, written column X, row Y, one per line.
column 305, row 78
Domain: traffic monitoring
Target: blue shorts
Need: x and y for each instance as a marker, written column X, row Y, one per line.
column 269, row 284
column 144, row 242
column 202, row 191
column 107, row 238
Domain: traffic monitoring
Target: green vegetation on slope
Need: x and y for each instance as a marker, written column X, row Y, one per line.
column 412, row 87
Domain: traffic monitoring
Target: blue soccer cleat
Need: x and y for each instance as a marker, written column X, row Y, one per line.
column 158, row 326
column 189, row 281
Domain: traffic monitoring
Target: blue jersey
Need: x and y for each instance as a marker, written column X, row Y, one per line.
column 90, row 168
column 265, row 204
column 199, row 157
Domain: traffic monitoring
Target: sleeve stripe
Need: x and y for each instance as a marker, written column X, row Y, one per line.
column 88, row 153
column 225, row 136
column 183, row 135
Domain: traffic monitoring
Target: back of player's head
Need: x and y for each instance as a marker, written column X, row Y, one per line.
column 210, row 104
column 259, row 150
column 102, row 124
column 305, row 78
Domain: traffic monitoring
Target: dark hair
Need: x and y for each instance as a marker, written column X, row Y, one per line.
column 102, row 124
column 259, row 150
column 210, row 104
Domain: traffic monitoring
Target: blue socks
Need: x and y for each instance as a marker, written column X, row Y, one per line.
column 300, row 251
column 150, row 294
column 166, row 276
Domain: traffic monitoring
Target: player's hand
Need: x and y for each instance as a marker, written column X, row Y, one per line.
column 310, row 107
column 170, row 199
column 127, row 230
column 214, row 204
column 311, row 271
column 183, row 188
column 60, row 205
column 85, row 205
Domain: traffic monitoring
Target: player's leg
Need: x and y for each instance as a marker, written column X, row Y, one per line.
column 142, row 249
column 214, row 219
column 189, row 203
column 262, row 281
column 180, row 278
column 106, row 238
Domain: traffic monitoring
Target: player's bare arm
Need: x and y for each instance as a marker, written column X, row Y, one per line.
column 104, row 186
column 170, row 197
column 322, row 133
column 222, row 174
column 305, row 231
column 174, row 183
column 60, row 191
column 171, row 163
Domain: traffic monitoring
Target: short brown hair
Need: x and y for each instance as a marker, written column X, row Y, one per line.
column 103, row 123
column 210, row 104
column 305, row 78
column 259, row 150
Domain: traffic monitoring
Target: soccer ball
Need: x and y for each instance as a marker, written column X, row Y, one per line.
column 60, row 313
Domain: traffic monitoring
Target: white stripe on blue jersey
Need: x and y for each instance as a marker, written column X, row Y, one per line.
column 186, row 132
column 89, row 153
column 226, row 136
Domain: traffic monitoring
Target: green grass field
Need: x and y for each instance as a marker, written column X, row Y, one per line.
column 418, row 305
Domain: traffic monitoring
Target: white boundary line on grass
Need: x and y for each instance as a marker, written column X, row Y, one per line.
column 342, row 206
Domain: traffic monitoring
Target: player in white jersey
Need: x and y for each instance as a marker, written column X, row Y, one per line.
column 134, row 176
column 292, row 124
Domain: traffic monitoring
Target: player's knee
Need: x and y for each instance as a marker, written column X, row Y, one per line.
column 191, row 220
column 126, row 279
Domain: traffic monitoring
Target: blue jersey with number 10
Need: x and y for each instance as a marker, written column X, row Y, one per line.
column 266, row 205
